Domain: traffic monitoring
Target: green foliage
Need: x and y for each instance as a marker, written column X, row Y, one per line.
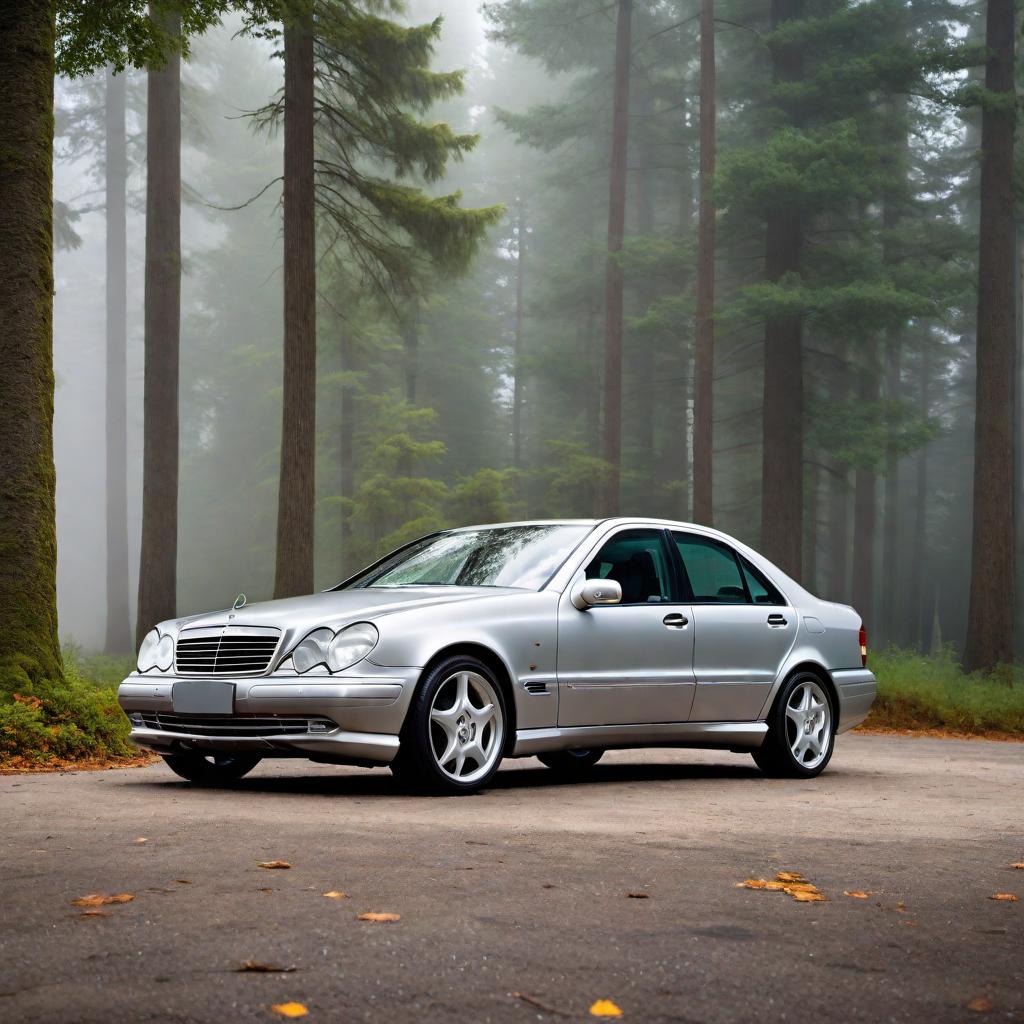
column 75, row 717
column 91, row 35
column 862, row 433
column 935, row 693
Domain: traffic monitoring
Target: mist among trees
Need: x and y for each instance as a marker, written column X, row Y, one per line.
column 329, row 276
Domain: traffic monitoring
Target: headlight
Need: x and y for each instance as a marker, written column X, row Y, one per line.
column 156, row 652
column 312, row 651
column 351, row 645
column 336, row 651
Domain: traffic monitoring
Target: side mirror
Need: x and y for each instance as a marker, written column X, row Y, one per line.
column 594, row 592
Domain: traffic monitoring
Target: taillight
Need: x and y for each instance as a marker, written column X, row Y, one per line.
column 863, row 647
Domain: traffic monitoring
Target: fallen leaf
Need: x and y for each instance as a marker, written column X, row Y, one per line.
column 790, row 876
column 335, row 895
column 856, row 894
column 980, row 1004
column 141, row 840
column 273, row 864
column 638, row 895
column 808, row 897
column 95, row 913
column 1019, row 867
column 605, row 1008
column 264, row 890
column 790, row 882
column 99, row 899
column 290, row 1009
column 255, row 967
column 183, row 881
column 379, row 918
column 1005, row 897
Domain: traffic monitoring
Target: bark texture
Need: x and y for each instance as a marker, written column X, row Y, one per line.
column 990, row 616
column 296, row 496
column 865, row 495
column 29, row 648
column 611, row 427
column 782, row 497
column 119, row 637
column 517, row 354
column 704, row 337
column 158, row 558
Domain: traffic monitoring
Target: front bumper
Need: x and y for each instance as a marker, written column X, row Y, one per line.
column 345, row 719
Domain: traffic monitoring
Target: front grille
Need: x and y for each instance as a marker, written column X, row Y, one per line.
column 217, row 652
column 234, row 725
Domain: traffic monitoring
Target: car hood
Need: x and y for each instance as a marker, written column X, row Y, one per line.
column 336, row 608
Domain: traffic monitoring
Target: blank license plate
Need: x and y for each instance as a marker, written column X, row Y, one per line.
column 203, row 698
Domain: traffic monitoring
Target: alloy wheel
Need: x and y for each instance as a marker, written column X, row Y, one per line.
column 808, row 724
column 467, row 728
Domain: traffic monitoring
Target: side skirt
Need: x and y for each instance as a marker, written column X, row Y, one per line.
column 721, row 735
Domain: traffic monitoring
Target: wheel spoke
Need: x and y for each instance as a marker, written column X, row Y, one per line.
column 462, row 691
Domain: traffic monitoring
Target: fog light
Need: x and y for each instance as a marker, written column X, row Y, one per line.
column 136, row 718
column 319, row 726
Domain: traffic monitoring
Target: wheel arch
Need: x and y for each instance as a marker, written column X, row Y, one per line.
column 811, row 667
column 496, row 664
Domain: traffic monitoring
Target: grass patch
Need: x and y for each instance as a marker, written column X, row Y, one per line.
column 78, row 719
column 916, row 692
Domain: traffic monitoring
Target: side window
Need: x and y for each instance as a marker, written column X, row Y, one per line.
column 760, row 589
column 638, row 562
column 714, row 574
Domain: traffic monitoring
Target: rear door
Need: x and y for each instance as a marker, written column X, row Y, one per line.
column 629, row 663
column 743, row 629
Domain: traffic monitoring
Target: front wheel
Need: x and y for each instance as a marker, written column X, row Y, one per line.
column 801, row 730
column 210, row 769
column 570, row 762
column 454, row 733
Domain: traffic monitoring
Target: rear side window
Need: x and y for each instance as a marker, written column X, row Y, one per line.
column 761, row 591
column 714, row 573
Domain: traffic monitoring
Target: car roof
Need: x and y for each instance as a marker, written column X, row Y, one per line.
column 577, row 522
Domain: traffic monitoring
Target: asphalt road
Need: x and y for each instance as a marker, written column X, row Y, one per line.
column 514, row 903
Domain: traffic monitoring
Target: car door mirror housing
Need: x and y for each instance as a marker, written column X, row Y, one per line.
column 596, row 592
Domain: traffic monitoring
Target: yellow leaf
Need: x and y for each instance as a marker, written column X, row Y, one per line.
column 379, row 918
column 605, row 1008
column 1005, row 897
column 273, row 864
column 290, row 1009
column 335, row 895
column 856, row 894
column 1019, row 867
column 790, row 876
column 95, row 913
column 807, row 897
column 141, row 840
column 99, row 899
column 980, row 1004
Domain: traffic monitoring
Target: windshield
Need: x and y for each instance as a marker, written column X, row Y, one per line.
column 506, row 556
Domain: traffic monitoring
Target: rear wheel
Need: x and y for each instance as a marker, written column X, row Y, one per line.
column 454, row 733
column 801, row 730
column 571, row 762
column 211, row 769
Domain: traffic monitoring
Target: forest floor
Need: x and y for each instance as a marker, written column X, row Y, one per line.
column 529, row 902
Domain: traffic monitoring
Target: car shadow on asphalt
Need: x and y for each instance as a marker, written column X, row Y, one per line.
column 510, row 778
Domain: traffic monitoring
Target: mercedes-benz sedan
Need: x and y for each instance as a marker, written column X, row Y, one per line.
column 555, row 639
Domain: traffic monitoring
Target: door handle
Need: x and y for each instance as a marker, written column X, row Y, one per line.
column 676, row 621
column 775, row 619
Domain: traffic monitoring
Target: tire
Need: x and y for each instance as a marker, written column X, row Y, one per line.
column 211, row 769
column 801, row 730
column 570, row 762
column 454, row 733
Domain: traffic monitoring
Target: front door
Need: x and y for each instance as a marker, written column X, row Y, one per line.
column 630, row 663
column 743, row 630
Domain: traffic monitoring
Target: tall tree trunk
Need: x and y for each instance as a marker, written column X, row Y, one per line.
column 991, row 611
column 782, row 493
column 891, row 547
column 119, row 637
column 411, row 349
column 839, row 495
column 611, row 428
column 865, row 489
column 918, row 608
column 704, row 334
column 517, row 355
column 158, row 559
column 296, row 496
column 346, row 455
column 28, row 540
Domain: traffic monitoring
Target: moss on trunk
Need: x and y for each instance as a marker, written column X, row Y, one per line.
column 29, row 650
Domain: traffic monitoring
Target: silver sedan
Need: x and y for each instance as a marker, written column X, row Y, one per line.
column 554, row 639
